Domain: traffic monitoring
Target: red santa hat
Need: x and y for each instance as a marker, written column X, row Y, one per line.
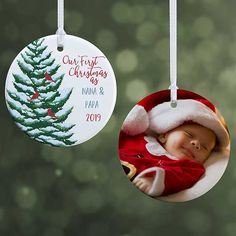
column 156, row 114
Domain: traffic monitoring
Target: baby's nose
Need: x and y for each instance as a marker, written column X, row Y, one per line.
column 196, row 144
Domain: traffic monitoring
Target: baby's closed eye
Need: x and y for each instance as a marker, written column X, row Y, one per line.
column 189, row 134
column 204, row 147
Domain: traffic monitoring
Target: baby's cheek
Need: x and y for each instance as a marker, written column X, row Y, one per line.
column 176, row 144
column 183, row 140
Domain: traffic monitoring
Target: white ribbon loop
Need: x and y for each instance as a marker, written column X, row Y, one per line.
column 173, row 52
column 60, row 24
column 173, row 95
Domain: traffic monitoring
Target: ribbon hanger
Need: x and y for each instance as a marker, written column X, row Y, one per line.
column 60, row 25
column 173, row 52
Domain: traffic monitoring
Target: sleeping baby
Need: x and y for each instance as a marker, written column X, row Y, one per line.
column 166, row 155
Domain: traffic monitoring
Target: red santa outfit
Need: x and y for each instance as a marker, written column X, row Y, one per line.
column 142, row 155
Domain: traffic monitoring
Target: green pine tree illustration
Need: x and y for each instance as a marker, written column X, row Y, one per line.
column 37, row 104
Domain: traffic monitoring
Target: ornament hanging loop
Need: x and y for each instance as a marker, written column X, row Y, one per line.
column 60, row 25
column 173, row 52
column 173, row 96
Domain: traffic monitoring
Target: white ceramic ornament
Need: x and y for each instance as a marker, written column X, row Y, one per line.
column 61, row 98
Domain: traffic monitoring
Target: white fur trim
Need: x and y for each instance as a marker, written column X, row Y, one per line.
column 158, row 184
column 163, row 118
column 156, row 149
column 136, row 122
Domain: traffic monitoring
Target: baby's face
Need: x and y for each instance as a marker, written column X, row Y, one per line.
column 193, row 142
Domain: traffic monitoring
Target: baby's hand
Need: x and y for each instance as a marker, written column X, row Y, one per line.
column 144, row 184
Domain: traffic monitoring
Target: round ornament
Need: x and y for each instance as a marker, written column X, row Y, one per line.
column 61, row 97
column 174, row 154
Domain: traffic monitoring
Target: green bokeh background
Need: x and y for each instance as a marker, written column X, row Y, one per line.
column 82, row 190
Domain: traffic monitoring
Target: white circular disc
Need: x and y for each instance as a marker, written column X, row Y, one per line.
column 61, row 98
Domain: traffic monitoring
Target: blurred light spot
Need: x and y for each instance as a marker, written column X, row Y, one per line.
column 106, row 39
column 84, row 171
column 26, row 197
column 136, row 90
column 90, row 200
column 203, row 27
column 126, row 60
column 121, row 12
column 196, row 220
column 111, row 125
column 58, row 172
column 146, row 33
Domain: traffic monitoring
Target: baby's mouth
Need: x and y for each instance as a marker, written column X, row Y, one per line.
column 187, row 153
